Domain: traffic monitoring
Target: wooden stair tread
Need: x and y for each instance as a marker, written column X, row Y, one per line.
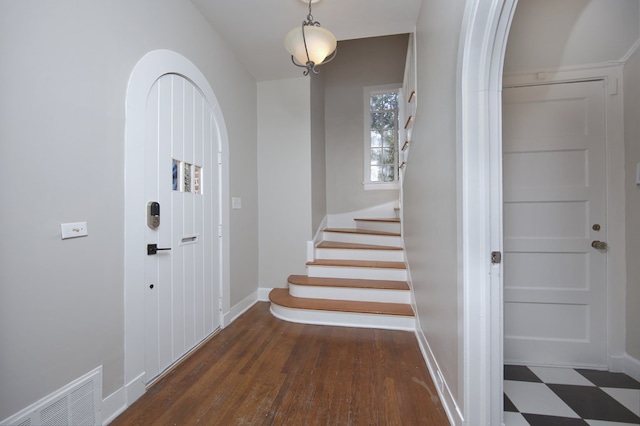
column 348, row 283
column 281, row 296
column 354, row 246
column 358, row 263
column 361, row 231
column 379, row 219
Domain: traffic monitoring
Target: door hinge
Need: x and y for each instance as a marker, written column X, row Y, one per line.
column 219, row 157
column 496, row 257
column 220, row 231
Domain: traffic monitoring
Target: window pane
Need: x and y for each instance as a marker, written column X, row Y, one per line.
column 376, row 138
column 187, row 177
column 376, row 156
column 175, row 167
column 382, row 101
column 383, row 120
column 388, row 173
column 388, row 137
column 388, row 156
column 376, row 174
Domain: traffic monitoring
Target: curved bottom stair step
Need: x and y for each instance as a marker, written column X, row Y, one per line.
column 395, row 316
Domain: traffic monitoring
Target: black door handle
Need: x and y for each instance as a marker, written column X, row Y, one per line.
column 153, row 249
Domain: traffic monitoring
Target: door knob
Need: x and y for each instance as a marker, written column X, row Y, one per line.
column 153, row 249
column 599, row 245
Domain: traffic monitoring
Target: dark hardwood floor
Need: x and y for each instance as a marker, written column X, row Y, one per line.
column 263, row 371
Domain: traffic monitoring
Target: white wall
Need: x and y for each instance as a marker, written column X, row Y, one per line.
column 632, row 158
column 359, row 63
column 284, row 178
column 552, row 33
column 64, row 74
column 430, row 207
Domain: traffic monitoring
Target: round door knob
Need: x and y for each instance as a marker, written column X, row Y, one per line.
column 151, row 286
column 599, row 245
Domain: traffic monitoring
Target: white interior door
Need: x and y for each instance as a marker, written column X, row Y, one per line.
column 183, row 283
column 555, row 288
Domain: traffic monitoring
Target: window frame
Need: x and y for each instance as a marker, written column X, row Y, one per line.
column 368, row 91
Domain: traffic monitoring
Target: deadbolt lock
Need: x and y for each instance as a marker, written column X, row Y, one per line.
column 596, row 227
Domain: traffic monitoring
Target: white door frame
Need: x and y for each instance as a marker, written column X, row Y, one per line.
column 151, row 67
column 483, row 40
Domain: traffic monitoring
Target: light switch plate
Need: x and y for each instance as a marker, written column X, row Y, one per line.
column 73, row 230
column 638, row 174
column 236, row 203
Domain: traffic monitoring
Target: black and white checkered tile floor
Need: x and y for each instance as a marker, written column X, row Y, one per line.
column 548, row 396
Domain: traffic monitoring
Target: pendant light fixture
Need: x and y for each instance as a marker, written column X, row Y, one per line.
column 310, row 45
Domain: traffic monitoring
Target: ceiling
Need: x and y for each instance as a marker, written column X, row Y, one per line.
column 255, row 29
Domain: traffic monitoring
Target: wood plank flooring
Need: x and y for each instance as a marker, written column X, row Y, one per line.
column 264, row 371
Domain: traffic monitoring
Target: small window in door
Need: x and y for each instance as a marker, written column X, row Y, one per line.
column 175, row 175
column 187, row 177
column 197, row 179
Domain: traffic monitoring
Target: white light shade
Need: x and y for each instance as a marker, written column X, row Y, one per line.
column 320, row 43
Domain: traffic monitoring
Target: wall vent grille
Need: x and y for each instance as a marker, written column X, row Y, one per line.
column 76, row 404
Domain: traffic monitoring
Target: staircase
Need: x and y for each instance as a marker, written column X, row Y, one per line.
column 358, row 278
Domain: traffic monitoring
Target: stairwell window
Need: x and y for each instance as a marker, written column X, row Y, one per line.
column 381, row 107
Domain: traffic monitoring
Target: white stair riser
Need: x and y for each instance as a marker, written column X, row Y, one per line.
column 356, row 254
column 344, row 319
column 378, row 240
column 378, row 226
column 353, row 294
column 358, row 273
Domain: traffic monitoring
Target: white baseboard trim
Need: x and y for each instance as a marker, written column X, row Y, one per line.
column 626, row 364
column 135, row 389
column 446, row 397
column 113, row 406
column 263, row 294
column 240, row 308
column 343, row 319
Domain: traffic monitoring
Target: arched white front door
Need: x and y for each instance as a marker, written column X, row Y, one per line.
column 175, row 156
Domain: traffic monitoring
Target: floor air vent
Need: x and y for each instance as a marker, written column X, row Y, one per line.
column 77, row 404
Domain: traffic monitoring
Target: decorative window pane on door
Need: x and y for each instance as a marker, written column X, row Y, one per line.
column 175, row 175
column 187, row 177
column 197, row 174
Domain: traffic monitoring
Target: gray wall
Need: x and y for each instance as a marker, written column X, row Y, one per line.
column 359, row 63
column 430, row 205
column 632, row 158
column 318, row 154
column 63, row 80
column 552, row 34
column 284, row 172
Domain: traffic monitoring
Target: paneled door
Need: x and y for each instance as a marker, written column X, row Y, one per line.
column 182, row 277
column 555, row 225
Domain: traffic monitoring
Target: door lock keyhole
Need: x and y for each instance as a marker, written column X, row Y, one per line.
column 151, row 286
